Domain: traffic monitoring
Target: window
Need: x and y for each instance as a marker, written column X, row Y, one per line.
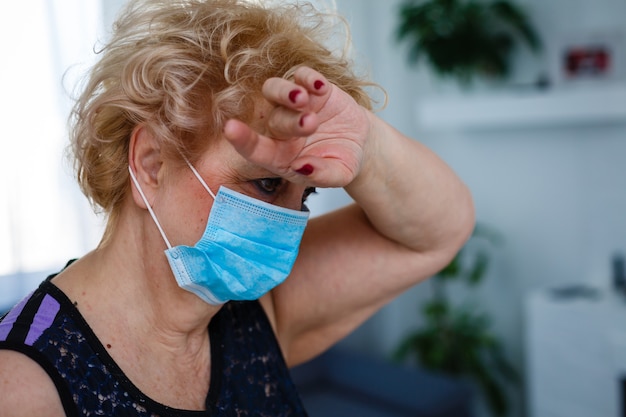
column 44, row 219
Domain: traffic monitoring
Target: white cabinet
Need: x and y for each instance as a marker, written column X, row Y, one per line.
column 575, row 354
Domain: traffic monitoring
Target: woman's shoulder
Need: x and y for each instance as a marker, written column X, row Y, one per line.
column 35, row 337
column 33, row 316
column 26, row 388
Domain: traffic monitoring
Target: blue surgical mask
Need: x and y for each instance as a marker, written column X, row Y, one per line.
column 247, row 249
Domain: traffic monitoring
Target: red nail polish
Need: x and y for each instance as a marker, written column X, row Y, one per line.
column 305, row 170
column 318, row 84
column 301, row 121
column 293, row 94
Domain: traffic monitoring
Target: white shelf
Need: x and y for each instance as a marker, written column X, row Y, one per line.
column 577, row 106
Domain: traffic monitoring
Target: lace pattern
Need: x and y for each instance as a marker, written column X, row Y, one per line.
column 249, row 376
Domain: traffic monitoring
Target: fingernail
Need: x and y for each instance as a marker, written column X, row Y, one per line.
column 301, row 121
column 293, row 94
column 318, row 84
column 306, row 169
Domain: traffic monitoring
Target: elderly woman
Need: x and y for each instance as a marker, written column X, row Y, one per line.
column 200, row 133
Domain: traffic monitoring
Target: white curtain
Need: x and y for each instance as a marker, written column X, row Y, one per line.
column 45, row 45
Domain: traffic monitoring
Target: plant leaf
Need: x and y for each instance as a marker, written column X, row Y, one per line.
column 518, row 20
column 479, row 268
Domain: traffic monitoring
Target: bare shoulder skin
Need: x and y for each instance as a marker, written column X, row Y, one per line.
column 26, row 388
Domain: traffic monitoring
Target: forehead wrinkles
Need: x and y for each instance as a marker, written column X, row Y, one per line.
column 226, row 163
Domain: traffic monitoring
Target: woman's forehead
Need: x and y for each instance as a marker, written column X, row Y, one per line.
column 224, row 158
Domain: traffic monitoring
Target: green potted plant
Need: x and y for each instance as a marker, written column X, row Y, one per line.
column 457, row 340
column 464, row 39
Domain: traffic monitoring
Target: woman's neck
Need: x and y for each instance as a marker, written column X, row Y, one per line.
column 142, row 318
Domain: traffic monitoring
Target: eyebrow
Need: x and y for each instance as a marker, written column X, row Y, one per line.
column 249, row 171
column 253, row 169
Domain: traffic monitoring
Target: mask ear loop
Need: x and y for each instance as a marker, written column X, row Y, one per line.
column 206, row 187
column 145, row 200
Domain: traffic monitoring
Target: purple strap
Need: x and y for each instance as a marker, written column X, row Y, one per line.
column 43, row 319
column 7, row 324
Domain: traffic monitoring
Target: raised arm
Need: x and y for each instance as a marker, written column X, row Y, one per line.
column 411, row 213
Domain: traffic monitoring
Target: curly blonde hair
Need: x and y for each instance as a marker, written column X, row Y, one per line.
column 183, row 68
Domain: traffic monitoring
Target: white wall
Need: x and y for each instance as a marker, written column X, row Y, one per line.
column 557, row 194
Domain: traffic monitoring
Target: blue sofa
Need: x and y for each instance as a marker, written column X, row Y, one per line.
column 345, row 383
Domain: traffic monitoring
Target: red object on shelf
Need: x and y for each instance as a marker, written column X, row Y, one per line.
column 587, row 61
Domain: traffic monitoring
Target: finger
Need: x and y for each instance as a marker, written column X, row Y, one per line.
column 271, row 154
column 321, row 172
column 284, row 123
column 314, row 82
column 241, row 136
column 285, row 93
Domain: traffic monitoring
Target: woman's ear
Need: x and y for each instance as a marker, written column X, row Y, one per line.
column 144, row 159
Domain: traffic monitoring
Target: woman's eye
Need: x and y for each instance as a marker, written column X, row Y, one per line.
column 268, row 185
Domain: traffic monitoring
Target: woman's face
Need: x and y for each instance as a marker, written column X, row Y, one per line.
column 223, row 166
column 185, row 204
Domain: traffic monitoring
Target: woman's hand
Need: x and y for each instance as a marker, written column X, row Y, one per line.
column 311, row 133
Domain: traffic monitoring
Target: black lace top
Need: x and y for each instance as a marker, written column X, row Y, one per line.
column 248, row 377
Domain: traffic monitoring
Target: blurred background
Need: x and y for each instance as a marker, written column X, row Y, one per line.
column 542, row 150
